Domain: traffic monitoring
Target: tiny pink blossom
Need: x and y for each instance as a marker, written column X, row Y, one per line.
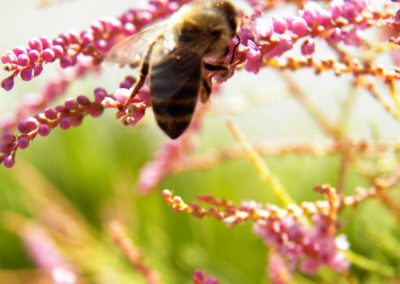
column 65, row 123
column 70, row 104
column 100, row 94
column 35, row 44
column 23, row 60
column 27, row 74
column 9, row 161
column 23, row 142
column 34, row 55
column 7, row 83
column 122, row 95
column 50, row 113
column 279, row 25
column 299, row 27
column 37, row 70
column 254, row 58
column 308, row 47
column 48, row 55
column 44, row 130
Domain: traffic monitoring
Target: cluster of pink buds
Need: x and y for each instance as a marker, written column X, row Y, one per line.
column 28, row 62
column 284, row 229
column 342, row 21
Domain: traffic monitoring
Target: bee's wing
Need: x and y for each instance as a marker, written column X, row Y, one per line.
column 133, row 48
column 173, row 68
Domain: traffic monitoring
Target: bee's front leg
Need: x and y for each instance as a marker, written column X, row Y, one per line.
column 206, row 89
column 222, row 69
column 143, row 72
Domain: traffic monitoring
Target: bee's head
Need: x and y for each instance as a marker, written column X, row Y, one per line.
column 229, row 11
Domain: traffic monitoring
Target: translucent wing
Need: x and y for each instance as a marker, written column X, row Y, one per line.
column 132, row 49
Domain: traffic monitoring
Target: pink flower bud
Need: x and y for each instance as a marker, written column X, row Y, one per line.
column 262, row 28
column 9, row 138
column 122, row 95
column 44, row 130
column 35, row 44
column 45, row 42
column 9, row 161
column 83, row 100
column 58, row 51
column 48, row 55
column 129, row 28
column 29, row 125
column 34, row 55
column 279, row 24
column 308, row 47
column 65, row 123
column 100, row 94
column 5, row 58
column 37, row 70
column 27, row 74
column 50, row 113
column 23, row 60
column 19, row 50
column 70, row 104
column 8, row 83
column 299, row 27
column 23, row 142
column 96, row 110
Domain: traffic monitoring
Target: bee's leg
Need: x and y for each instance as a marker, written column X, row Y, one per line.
column 223, row 70
column 205, row 90
column 143, row 72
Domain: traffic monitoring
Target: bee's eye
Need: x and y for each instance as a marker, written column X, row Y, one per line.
column 188, row 33
column 216, row 33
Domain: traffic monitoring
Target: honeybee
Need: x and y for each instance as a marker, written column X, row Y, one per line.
column 179, row 57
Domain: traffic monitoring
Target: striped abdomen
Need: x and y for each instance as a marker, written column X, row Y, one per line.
column 174, row 87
